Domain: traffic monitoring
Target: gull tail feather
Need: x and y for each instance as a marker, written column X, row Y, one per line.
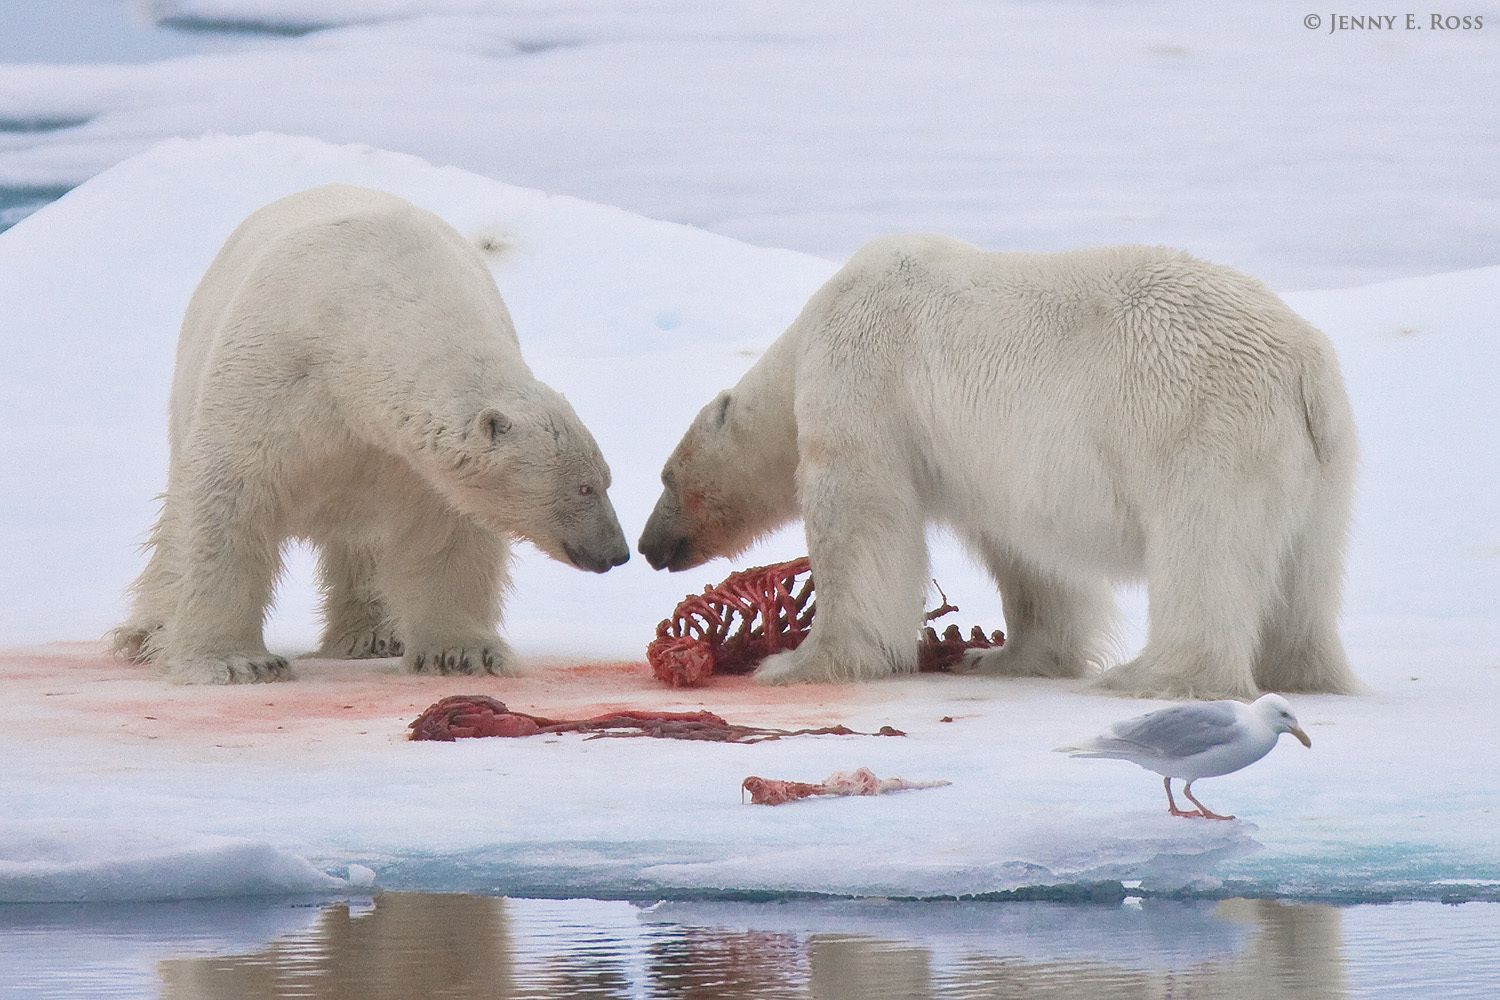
column 1099, row 748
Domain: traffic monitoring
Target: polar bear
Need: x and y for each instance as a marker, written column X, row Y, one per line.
column 1077, row 419
column 347, row 374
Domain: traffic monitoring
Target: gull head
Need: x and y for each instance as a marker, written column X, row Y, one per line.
column 1276, row 713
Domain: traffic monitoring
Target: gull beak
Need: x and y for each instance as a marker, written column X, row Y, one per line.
column 1301, row 737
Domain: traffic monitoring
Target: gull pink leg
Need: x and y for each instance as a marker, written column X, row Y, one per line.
column 1172, row 804
column 1204, row 811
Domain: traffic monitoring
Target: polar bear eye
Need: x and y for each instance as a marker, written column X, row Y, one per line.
column 585, row 490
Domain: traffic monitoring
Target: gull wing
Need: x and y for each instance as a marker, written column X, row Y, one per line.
column 1182, row 730
column 1177, row 732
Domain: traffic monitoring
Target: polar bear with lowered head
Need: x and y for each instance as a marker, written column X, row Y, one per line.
column 347, row 374
column 1078, row 420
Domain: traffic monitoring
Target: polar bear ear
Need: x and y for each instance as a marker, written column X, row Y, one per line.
column 721, row 409
column 492, row 425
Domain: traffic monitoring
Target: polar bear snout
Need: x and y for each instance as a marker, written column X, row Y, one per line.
column 598, row 560
column 664, row 542
column 672, row 553
column 601, row 546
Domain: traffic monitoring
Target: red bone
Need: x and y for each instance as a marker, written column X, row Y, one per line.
column 730, row 628
column 465, row 716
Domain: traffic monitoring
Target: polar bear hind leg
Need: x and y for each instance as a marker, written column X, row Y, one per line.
column 1053, row 627
column 231, row 555
column 443, row 577
column 141, row 638
column 356, row 622
column 1212, row 557
column 1300, row 649
column 866, row 537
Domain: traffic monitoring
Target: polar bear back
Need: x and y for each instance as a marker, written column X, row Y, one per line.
column 1124, row 323
column 1091, row 375
column 348, row 279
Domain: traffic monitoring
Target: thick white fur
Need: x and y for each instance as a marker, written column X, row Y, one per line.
column 1078, row 419
column 347, row 374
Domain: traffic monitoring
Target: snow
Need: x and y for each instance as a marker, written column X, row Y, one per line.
column 1313, row 160
column 107, row 863
column 640, row 322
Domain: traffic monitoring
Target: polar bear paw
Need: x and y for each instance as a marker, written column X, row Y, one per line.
column 1013, row 660
column 365, row 642
column 1135, row 679
column 781, row 668
column 811, row 666
column 1141, row 679
column 478, row 657
column 229, row 668
column 136, row 643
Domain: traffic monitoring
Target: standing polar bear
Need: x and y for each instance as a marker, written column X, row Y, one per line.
column 1077, row 419
column 348, row 374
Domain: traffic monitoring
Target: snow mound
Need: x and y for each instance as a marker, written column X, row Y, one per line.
column 95, row 863
column 603, row 301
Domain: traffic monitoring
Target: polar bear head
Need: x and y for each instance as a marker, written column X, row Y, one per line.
column 731, row 479
column 527, row 466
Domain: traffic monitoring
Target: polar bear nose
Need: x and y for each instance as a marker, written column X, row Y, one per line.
column 667, row 552
column 598, row 545
column 664, row 544
column 598, row 562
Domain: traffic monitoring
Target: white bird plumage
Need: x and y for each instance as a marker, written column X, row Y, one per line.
column 1196, row 740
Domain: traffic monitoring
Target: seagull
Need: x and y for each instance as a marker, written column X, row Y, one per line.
column 1198, row 740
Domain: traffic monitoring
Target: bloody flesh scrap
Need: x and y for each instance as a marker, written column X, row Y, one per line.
column 466, row 716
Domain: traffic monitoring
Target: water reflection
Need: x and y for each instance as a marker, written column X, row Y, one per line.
column 699, row 963
column 410, row 945
column 863, row 967
column 404, row 945
column 1293, row 950
column 1237, row 948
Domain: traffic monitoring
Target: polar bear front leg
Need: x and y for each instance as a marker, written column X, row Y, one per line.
column 230, row 557
column 866, row 537
column 356, row 622
column 1054, row 627
column 443, row 578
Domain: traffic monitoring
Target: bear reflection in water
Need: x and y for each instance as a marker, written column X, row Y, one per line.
column 413, row 945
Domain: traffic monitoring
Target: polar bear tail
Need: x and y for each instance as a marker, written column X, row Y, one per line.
column 1325, row 408
column 1300, row 648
